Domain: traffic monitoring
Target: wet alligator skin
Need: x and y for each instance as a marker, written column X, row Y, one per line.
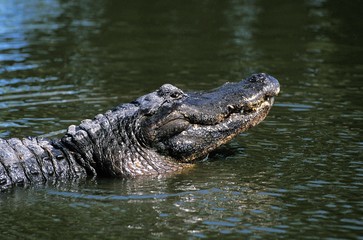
column 160, row 132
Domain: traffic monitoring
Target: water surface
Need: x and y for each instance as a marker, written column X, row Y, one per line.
column 299, row 173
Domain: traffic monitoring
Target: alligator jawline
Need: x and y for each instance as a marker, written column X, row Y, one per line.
column 244, row 111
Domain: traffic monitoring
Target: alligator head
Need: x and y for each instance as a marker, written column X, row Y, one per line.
column 188, row 126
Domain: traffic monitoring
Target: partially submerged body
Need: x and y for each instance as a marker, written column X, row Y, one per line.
column 158, row 133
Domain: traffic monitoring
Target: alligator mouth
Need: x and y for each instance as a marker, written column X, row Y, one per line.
column 249, row 108
column 185, row 121
column 245, row 110
column 209, row 135
column 238, row 118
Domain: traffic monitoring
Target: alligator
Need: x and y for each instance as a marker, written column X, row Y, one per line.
column 161, row 132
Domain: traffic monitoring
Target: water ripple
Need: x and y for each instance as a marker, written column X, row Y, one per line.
column 13, row 81
column 12, row 104
column 296, row 107
column 131, row 197
column 18, row 67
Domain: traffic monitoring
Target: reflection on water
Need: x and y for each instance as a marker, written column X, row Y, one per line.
column 299, row 172
column 39, row 44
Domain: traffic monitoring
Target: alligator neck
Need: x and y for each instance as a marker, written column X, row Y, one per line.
column 108, row 145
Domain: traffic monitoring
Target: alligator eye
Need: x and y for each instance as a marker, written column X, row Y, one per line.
column 170, row 91
column 175, row 95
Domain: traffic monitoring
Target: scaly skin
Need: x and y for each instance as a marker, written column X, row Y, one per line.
column 158, row 133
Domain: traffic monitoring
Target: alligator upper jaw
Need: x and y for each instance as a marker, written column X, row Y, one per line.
column 243, row 97
column 249, row 109
column 183, row 121
column 245, row 111
column 238, row 118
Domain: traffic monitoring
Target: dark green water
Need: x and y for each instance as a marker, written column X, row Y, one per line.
column 299, row 174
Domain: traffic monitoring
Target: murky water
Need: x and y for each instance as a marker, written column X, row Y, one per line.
column 299, row 174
